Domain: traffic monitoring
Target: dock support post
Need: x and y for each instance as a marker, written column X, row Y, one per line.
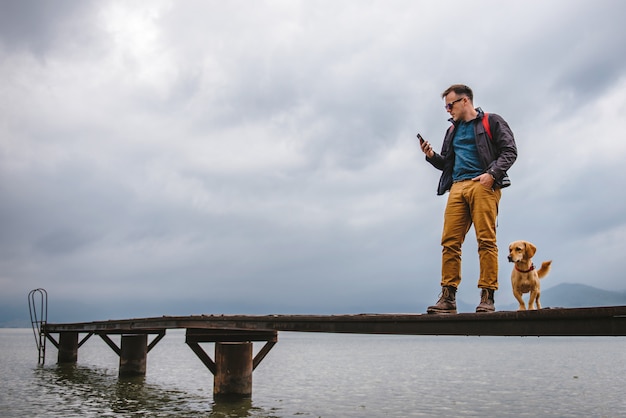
column 233, row 364
column 133, row 355
column 68, row 347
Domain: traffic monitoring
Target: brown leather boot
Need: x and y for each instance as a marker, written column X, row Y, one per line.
column 446, row 303
column 486, row 301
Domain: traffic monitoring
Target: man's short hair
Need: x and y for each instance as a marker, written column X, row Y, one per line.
column 460, row 90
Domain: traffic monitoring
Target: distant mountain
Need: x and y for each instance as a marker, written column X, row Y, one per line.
column 564, row 295
column 574, row 295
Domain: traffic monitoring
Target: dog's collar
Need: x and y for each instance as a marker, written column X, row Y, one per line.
column 532, row 267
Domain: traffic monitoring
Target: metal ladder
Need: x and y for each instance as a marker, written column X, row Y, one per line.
column 38, row 318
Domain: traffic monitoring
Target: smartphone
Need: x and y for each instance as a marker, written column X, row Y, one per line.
column 420, row 138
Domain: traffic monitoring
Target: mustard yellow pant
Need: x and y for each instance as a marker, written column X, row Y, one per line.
column 470, row 203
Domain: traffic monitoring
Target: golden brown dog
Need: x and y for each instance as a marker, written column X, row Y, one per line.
column 524, row 278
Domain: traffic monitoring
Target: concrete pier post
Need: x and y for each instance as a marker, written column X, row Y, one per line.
column 68, row 347
column 133, row 355
column 233, row 365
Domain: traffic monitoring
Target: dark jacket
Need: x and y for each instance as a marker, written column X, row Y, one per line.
column 496, row 155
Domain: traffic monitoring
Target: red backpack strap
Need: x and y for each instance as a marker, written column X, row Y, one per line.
column 486, row 125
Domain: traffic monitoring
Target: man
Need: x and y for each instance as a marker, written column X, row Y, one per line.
column 474, row 170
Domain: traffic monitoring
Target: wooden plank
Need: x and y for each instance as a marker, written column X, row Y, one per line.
column 156, row 340
column 203, row 356
column 203, row 335
column 594, row 321
column 110, row 343
column 262, row 353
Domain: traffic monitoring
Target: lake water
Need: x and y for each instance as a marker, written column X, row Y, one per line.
column 329, row 375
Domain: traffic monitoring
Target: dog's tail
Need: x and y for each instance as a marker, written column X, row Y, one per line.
column 544, row 269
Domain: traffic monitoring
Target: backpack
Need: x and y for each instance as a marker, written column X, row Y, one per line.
column 486, row 125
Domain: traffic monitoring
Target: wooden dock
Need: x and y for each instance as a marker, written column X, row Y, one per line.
column 233, row 335
column 598, row 321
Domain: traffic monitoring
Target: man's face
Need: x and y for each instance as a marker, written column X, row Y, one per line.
column 455, row 105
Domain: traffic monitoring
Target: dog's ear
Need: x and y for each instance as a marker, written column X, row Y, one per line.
column 530, row 250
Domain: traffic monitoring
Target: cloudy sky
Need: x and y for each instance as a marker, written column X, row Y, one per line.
column 188, row 157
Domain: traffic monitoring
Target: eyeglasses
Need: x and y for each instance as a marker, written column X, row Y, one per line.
column 450, row 105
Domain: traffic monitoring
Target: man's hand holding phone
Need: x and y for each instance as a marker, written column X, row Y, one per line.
column 425, row 146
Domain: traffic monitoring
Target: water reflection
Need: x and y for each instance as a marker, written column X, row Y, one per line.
column 72, row 390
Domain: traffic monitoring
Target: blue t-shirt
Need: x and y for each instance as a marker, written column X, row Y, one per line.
column 466, row 162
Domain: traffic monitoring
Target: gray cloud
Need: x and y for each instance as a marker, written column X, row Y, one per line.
column 39, row 26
